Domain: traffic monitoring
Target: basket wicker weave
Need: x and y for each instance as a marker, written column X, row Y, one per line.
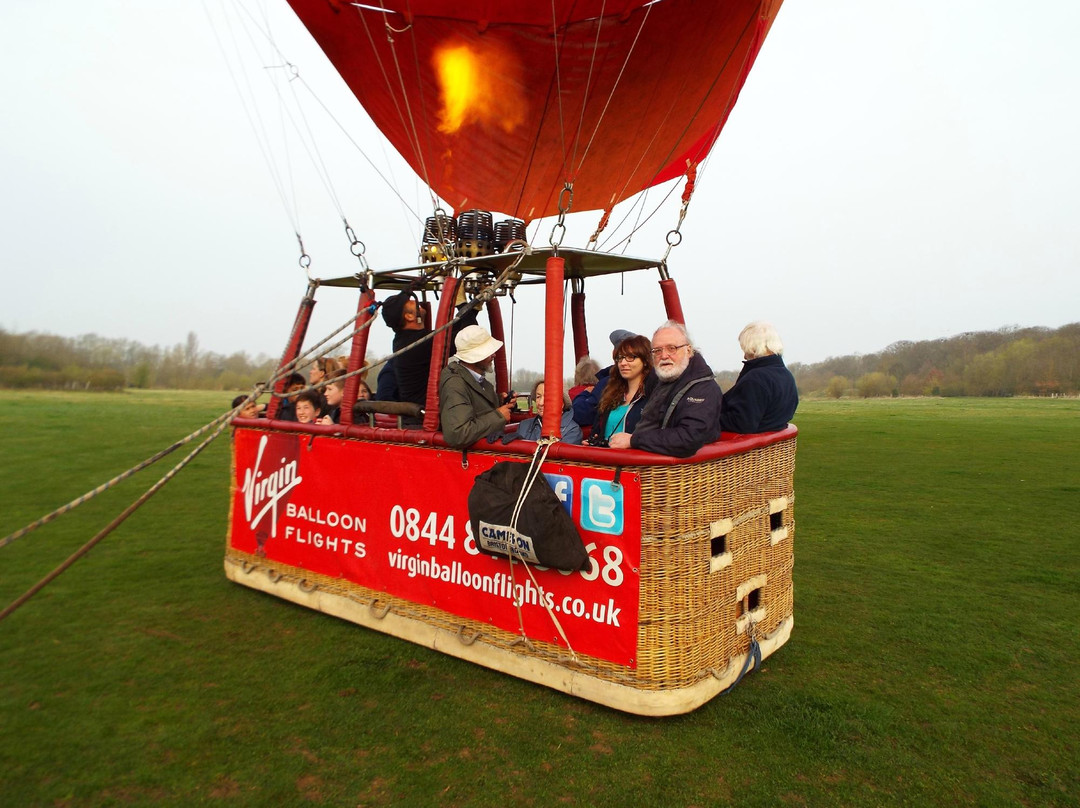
column 716, row 566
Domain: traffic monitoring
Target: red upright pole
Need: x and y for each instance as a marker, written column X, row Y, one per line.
column 438, row 354
column 672, row 304
column 577, row 320
column 495, row 323
column 292, row 349
column 553, row 347
column 365, row 311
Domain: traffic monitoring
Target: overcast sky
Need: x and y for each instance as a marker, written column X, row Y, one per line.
column 893, row 170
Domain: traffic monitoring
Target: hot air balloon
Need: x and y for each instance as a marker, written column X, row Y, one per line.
column 511, row 112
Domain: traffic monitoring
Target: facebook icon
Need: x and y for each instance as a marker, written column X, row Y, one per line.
column 601, row 506
column 563, row 487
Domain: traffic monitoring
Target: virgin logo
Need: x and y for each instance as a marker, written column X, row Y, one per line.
column 265, row 487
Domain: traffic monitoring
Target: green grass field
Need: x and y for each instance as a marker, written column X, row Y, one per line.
column 933, row 662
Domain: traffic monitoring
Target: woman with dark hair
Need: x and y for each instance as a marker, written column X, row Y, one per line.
column 624, row 395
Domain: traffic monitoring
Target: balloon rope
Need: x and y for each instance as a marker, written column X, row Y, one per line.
column 220, row 421
column 223, row 418
column 538, row 458
column 130, row 509
column 558, row 82
column 614, row 86
column 258, row 127
column 406, row 117
column 588, row 84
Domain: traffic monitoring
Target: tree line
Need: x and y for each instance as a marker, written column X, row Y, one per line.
column 91, row 362
column 1009, row 361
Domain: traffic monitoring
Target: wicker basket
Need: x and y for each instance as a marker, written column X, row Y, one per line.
column 716, row 569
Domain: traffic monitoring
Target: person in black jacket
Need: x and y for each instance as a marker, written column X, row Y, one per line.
column 682, row 413
column 405, row 315
column 764, row 397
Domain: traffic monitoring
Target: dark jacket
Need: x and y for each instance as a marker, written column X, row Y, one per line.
column 467, row 411
column 763, row 398
column 412, row 367
column 530, row 429
column 286, row 410
column 586, row 403
column 695, row 419
column 386, row 387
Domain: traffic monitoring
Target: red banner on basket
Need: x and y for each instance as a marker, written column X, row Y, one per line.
column 395, row 518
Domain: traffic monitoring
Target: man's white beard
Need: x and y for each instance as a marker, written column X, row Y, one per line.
column 670, row 374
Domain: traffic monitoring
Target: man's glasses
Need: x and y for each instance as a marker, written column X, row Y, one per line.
column 670, row 350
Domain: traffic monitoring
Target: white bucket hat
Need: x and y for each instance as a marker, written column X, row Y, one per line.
column 474, row 344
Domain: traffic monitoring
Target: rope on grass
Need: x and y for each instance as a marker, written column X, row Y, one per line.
column 220, row 422
column 115, row 523
column 89, row 495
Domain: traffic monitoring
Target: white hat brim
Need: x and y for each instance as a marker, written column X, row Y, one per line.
column 478, row 353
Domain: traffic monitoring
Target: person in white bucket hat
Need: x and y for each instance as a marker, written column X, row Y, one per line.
column 469, row 407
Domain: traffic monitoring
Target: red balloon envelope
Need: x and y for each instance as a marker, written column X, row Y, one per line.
column 496, row 105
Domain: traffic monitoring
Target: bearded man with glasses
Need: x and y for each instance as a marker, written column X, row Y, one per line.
column 682, row 413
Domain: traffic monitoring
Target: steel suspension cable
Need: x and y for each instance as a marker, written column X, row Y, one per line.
column 393, row 189
column 708, row 92
column 588, row 84
column 625, row 241
column 615, row 86
column 264, row 30
column 251, row 112
column 558, row 82
column 408, row 119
